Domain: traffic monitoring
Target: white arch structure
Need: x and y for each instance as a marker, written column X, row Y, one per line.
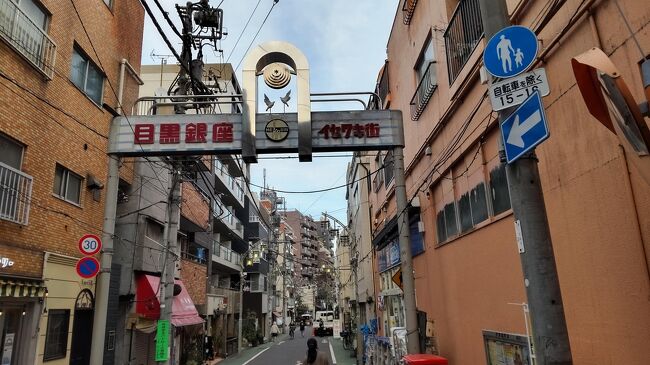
column 255, row 61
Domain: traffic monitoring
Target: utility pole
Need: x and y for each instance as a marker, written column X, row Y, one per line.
column 170, row 255
column 549, row 331
column 406, row 260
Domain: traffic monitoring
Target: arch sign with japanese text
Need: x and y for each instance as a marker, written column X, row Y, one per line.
column 251, row 132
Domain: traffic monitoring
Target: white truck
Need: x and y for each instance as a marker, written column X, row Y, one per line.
column 328, row 323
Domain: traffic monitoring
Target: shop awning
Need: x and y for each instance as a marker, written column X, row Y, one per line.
column 21, row 288
column 148, row 306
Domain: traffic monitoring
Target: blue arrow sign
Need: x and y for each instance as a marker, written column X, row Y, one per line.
column 510, row 51
column 525, row 128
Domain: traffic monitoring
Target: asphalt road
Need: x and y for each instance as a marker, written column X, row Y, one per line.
column 286, row 351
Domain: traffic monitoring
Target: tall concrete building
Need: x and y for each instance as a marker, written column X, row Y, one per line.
column 60, row 62
column 468, row 277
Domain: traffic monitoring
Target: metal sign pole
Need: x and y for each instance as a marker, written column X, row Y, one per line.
column 406, row 260
column 550, row 336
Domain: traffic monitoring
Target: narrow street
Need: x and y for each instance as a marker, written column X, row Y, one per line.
column 291, row 351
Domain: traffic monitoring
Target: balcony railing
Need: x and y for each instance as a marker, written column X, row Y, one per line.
column 408, row 8
column 462, row 35
column 27, row 38
column 427, row 86
column 383, row 87
column 226, row 254
column 15, row 194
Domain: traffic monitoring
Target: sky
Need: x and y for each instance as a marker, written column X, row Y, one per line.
column 345, row 44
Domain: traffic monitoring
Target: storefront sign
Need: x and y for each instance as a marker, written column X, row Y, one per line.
column 6, row 262
column 162, row 340
column 173, row 134
column 191, row 134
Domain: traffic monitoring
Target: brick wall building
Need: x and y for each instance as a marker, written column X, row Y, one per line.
column 59, row 62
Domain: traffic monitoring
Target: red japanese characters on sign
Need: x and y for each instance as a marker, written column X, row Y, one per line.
column 170, row 133
column 347, row 130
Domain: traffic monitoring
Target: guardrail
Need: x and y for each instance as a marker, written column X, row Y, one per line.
column 462, row 35
column 15, row 194
column 27, row 38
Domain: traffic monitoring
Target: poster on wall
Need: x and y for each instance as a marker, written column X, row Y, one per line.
column 506, row 349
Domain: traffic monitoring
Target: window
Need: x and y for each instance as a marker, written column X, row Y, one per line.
column 109, row 3
column 12, row 152
column 426, row 79
column 461, row 196
column 67, row 185
column 86, row 76
column 34, row 12
column 425, row 59
column 56, row 337
column 155, row 231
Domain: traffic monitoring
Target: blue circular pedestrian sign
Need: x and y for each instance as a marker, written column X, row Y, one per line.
column 87, row 267
column 510, row 51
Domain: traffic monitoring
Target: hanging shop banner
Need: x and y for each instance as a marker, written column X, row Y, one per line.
column 162, row 340
column 205, row 134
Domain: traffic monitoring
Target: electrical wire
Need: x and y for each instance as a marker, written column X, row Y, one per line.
column 256, row 34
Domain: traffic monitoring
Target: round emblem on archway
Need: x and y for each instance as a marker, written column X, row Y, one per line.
column 277, row 130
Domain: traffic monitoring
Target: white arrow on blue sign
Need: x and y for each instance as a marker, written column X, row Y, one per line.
column 510, row 51
column 525, row 128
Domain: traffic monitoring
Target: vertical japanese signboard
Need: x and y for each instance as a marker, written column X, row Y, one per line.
column 162, row 340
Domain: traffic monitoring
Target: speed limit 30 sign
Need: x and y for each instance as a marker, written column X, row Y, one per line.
column 515, row 90
column 90, row 244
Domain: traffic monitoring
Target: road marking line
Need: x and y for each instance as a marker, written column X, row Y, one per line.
column 280, row 343
column 324, row 341
column 332, row 353
column 253, row 358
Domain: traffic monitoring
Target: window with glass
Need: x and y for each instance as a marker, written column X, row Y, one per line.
column 474, row 190
column 425, row 59
column 86, row 76
column 67, row 185
column 56, row 337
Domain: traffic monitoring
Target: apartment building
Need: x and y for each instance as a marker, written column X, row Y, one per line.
column 359, row 240
column 468, row 274
column 60, row 62
column 210, row 240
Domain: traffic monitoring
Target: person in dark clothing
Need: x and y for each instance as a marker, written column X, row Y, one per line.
column 315, row 357
column 302, row 328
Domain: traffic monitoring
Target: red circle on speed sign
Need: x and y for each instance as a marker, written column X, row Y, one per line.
column 90, row 244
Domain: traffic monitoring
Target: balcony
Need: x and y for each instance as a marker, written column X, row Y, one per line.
column 462, row 35
column 28, row 39
column 15, row 194
column 225, row 183
column 226, row 257
column 226, row 215
column 427, row 86
column 408, row 8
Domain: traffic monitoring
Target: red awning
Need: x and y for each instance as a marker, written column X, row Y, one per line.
column 147, row 305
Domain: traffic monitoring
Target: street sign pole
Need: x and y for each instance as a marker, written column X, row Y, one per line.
column 549, row 331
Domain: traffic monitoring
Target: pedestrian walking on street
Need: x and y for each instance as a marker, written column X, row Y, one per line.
column 302, row 328
column 274, row 331
column 315, row 357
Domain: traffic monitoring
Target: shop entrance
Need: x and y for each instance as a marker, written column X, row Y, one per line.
column 82, row 328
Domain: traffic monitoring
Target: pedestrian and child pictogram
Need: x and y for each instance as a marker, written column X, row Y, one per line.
column 510, row 51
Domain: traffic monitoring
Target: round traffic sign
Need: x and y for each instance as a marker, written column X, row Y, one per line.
column 510, row 51
column 87, row 267
column 90, row 244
